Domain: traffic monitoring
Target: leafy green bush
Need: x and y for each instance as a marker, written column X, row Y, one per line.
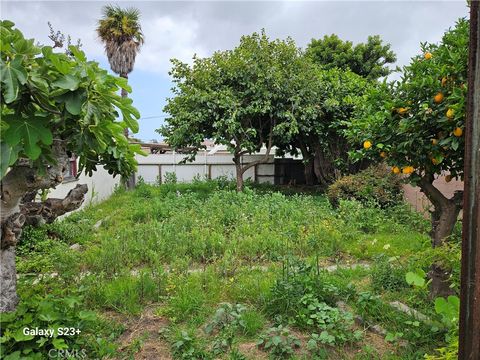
column 227, row 315
column 57, row 314
column 298, row 281
column 373, row 185
column 186, row 347
column 335, row 325
column 279, row 342
column 362, row 218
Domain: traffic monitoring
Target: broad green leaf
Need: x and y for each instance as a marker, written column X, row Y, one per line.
column 20, row 336
column 87, row 315
column 73, row 102
column 61, row 65
column 12, row 74
column 8, row 157
column 59, row 344
column 29, row 132
column 13, row 356
column 79, row 54
column 68, row 82
column 415, row 278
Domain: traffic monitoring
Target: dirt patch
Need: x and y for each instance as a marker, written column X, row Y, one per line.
column 142, row 336
column 251, row 351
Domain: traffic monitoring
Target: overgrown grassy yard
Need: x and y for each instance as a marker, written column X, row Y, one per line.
column 201, row 272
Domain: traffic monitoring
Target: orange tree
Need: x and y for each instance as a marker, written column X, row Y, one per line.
column 416, row 124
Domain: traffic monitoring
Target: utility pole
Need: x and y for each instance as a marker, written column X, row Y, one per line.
column 469, row 334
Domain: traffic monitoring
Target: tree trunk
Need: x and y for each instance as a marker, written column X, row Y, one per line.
column 444, row 218
column 8, row 280
column 322, row 167
column 309, row 173
column 129, row 182
column 21, row 179
column 308, row 164
column 239, row 173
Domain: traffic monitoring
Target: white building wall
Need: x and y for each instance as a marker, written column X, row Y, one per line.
column 100, row 186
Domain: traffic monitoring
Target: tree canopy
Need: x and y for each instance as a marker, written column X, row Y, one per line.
column 416, row 124
column 47, row 95
column 368, row 60
column 241, row 98
column 121, row 32
column 334, row 95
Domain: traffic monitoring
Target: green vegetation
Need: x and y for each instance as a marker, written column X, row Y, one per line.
column 224, row 271
column 374, row 185
column 53, row 105
column 416, row 125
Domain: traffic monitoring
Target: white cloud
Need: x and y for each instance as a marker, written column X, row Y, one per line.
column 167, row 38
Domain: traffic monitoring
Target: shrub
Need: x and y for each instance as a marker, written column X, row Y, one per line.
column 279, row 342
column 187, row 346
column 335, row 325
column 62, row 315
column 375, row 184
column 227, row 315
column 386, row 276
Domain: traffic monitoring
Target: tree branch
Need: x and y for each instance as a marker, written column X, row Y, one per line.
column 431, row 192
column 38, row 213
column 267, row 153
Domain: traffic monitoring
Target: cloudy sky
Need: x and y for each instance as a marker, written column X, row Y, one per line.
column 179, row 29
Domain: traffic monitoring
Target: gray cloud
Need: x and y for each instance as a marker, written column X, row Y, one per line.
column 180, row 29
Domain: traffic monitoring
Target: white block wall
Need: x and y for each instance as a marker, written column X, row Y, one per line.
column 205, row 165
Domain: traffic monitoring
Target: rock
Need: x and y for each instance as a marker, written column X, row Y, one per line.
column 409, row 311
column 333, row 268
column 377, row 329
column 98, row 224
column 76, row 247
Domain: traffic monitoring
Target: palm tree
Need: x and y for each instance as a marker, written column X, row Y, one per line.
column 120, row 31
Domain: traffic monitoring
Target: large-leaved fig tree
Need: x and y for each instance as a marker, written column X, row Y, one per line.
column 53, row 105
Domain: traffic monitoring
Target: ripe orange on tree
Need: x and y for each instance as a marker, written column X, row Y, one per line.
column 367, row 144
column 438, row 98
column 458, row 132
column 428, row 56
column 396, row 170
column 383, row 154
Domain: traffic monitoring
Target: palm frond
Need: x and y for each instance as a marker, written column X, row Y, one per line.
column 120, row 31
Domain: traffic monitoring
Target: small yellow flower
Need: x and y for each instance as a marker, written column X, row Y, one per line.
column 386, row 246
